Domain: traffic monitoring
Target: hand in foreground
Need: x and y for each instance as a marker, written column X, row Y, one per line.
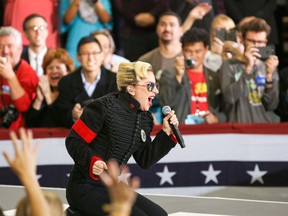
column 24, row 166
column 24, row 163
column 121, row 195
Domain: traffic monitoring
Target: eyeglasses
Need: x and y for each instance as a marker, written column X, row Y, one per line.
column 37, row 28
column 261, row 42
column 87, row 54
column 150, row 86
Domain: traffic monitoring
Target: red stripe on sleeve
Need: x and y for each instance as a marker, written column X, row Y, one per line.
column 93, row 160
column 84, row 131
column 173, row 137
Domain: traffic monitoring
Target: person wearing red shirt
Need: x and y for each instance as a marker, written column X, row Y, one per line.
column 18, row 81
column 191, row 89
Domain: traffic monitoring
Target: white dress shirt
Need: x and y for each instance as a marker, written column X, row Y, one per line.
column 36, row 60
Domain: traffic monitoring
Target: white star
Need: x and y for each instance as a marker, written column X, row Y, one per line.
column 38, row 176
column 211, row 174
column 166, row 176
column 256, row 175
column 124, row 176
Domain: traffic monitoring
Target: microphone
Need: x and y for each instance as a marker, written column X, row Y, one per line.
column 166, row 110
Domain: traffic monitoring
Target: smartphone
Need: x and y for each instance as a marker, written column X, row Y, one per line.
column 267, row 51
column 231, row 35
column 225, row 35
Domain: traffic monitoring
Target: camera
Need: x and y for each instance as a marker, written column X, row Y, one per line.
column 226, row 35
column 8, row 114
column 265, row 52
column 189, row 62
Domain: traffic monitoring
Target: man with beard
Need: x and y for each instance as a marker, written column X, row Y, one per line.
column 169, row 31
column 169, row 34
column 251, row 86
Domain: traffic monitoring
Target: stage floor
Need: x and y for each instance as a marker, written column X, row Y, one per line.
column 177, row 205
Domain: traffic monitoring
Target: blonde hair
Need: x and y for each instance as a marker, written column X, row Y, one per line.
column 221, row 19
column 108, row 35
column 130, row 73
column 54, row 202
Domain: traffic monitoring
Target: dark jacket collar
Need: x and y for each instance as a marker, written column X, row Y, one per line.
column 128, row 102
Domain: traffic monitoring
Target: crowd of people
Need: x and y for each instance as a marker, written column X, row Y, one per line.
column 225, row 83
column 211, row 68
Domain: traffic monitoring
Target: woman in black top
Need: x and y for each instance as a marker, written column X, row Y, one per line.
column 117, row 126
column 43, row 112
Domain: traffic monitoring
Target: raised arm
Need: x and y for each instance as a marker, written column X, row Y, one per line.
column 24, row 166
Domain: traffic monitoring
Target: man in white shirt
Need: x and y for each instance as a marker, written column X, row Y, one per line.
column 35, row 28
column 90, row 81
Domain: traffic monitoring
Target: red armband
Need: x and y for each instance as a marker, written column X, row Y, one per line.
column 84, row 131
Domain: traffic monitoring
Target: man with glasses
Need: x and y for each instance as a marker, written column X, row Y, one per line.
column 35, row 29
column 88, row 82
column 250, row 87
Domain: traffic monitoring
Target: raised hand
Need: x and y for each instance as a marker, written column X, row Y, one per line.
column 121, row 195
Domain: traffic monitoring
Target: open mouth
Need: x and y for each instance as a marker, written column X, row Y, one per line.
column 150, row 99
column 55, row 78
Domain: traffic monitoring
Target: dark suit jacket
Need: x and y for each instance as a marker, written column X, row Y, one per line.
column 25, row 54
column 71, row 91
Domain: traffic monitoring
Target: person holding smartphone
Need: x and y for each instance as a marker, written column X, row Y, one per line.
column 250, row 87
column 221, row 26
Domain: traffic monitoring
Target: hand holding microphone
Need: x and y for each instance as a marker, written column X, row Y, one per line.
column 173, row 123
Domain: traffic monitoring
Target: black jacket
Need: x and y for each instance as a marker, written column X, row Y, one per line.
column 114, row 127
column 71, row 91
column 25, row 54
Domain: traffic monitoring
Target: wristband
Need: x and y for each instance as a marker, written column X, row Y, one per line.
column 269, row 82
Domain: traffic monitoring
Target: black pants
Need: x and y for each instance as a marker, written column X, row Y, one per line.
column 88, row 201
